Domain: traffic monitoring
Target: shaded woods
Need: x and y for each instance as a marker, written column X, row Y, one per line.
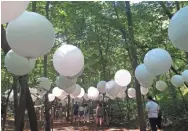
column 111, row 35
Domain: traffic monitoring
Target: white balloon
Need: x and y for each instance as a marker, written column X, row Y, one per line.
column 44, row 83
column 33, row 90
column 143, row 75
column 178, row 29
column 68, row 60
column 122, row 77
column 185, row 75
column 158, row 61
column 17, row 64
column 177, row 81
column 86, row 97
column 31, row 35
column 64, row 82
column 93, row 93
column 62, row 96
column 144, row 91
column 81, row 93
column 146, row 84
column 56, row 91
column 34, row 98
column 71, row 89
column 112, row 88
column 101, row 86
column 11, row 10
column 51, row 97
column 161, row 85
column 131, row 93
column 41, row 92
column 122, row 94
column 77, row 91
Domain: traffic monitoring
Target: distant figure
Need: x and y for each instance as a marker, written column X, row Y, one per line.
column 99, row 114
column 81, row 113
column 86, row 113
column 153, row 109
column 75, row 110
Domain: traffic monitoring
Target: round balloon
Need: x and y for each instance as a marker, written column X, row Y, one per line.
column 86, row 97
column 31, row 35
column 177, row 81
column 34, row 97
column 44, row 83
column 161, row 85
column 51, row 97
column 17, row 64
column 143, row 75
column 112, row 88
column 62, row 96
column 158, row 61
column 68, row 60
column 81, row 93
column 77, row 91
column 70, row 89
column 33, row 90
column 64, row 82
column 11, row 10
column 56, row 91
column 101, row 86
column 93, row 93
column 122, row 94
column 185, row 75
column 122, row 77
column 131, row 92
column 144, row 91
column 146, row 84
column 178, row 29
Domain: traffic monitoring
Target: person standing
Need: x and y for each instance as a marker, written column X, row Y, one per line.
column 81, row 113
column 86, row 113
column 99, row 114
column 153, row 109
column 75, row 111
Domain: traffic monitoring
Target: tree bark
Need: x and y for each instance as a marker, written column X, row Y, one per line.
column 134, row 65
column 46, row 103
column 68, row 108
column 20, row 114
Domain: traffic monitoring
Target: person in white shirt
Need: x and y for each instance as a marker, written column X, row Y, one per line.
column 153, row 109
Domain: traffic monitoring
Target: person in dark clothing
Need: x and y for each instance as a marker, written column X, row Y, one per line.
column 75, row 110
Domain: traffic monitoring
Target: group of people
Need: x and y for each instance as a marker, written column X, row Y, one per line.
column 154, row 114
column 81, row 112
column 152, row 108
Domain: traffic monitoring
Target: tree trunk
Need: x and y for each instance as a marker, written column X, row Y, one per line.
column 20, row 114
column 46, row 103
column 134, row 64
column 68, row 108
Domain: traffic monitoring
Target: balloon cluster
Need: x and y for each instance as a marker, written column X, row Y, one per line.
column 30, row 36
